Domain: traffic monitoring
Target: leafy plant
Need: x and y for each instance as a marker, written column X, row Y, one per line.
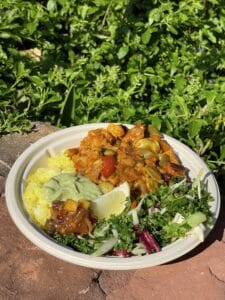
column 71, row 62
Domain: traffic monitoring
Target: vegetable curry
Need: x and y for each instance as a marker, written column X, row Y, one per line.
column 117, row 154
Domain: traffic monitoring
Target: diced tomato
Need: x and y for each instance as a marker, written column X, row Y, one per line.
column 109, row 165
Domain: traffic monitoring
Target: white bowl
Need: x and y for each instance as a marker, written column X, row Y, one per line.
column 36, row 156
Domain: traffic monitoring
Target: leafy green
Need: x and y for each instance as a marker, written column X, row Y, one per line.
column 183, row 200
column 157, row 214
column 78, row 243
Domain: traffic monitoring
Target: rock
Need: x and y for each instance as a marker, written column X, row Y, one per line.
column 113, row 280
column 27, row 271
column 187, row 279
column 2, row 185
column 12, row 145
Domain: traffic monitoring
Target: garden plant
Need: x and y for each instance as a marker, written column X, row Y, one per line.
column 70, row 62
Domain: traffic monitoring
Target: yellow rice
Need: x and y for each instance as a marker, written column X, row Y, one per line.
column 37, row 207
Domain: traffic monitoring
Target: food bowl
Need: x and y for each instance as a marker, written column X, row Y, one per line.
column 36, row 156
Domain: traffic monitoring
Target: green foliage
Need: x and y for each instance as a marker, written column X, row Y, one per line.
column 122, row 61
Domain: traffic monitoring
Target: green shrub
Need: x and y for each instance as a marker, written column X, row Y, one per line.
column 121, row 61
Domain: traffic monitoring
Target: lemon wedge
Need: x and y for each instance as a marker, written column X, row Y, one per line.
column 112, row 203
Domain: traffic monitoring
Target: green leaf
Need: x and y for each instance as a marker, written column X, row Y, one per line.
column 172, row 29
column 222, row 152
column 156, row 121
column 122, row 52
column 145, row 37
column 195, row 127
column 31, row 27
column 154, row 15
column 20, row 69
column 128, row 112
column 180, row 83
column 5, row 35
column 174, row 63
column 68, row 110
column 51, row 5
column 38, row 81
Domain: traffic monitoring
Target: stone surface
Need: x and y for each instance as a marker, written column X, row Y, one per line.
column 27, row 272
column 11, row 146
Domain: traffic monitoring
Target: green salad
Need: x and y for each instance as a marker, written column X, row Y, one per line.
column 170, row 213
